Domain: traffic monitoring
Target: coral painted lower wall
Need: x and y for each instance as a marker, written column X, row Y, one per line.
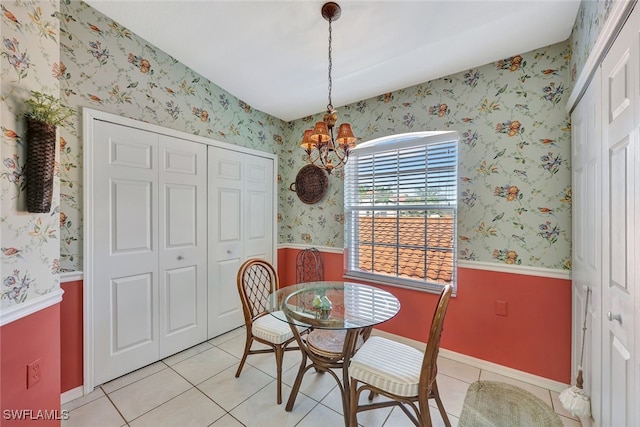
column 23, row 341
column 534, row 336
column 71, row 340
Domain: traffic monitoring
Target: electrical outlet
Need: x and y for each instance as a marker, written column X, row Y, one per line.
column 501, row 308
column 34, row 373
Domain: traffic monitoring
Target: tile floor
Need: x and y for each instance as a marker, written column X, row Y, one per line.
column 197, row 387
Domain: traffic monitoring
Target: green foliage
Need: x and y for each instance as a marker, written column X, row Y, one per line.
column 47, row 109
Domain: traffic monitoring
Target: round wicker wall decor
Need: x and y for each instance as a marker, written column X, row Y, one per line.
column 311, row 184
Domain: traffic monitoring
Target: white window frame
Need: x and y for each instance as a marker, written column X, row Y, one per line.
column 353, row 204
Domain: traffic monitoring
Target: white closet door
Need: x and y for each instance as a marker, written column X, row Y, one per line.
column 125, row 288
column 586, row 164
column 620, row 234
column 183, row 244
column 241, row 190
column 259, row 221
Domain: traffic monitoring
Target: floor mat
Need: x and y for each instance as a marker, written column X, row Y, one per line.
column 495, row 404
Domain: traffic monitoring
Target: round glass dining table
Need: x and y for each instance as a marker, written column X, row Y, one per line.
column 350, row 309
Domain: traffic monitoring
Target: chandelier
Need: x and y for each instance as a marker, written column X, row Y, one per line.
column 322, row 149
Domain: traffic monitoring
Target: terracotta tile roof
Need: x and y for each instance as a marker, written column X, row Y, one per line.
column 410, row 232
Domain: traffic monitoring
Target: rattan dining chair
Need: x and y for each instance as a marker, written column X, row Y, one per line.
column 257, row 279
column 400, row 372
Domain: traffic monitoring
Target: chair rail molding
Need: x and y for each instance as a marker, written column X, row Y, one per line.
column 71, row 276
column 32, row 306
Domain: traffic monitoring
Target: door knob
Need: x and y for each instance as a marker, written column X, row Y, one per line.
column 613, row 317
column 180, row 257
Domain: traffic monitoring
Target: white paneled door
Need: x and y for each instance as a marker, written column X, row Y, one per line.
column 182, row 236
column 620, row 75
column 586, row 268
column 241, row 226
column 149, row 247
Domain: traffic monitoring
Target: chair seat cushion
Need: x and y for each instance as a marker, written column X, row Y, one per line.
column 388, row 365
column 271, row 328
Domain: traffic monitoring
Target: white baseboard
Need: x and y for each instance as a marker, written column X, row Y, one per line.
column 482, row 364
column 73, row 394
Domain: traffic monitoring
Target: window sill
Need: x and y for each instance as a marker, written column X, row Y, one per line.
column 430, row 288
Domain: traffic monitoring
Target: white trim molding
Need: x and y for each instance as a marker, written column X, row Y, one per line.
column 72, row 276
column 326, row 249
column 30, row 307
column 73, row 394
column 481, row 364
column 517, row 269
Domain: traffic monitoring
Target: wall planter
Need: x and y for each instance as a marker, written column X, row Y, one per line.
column 44, row 114
column 41, row 157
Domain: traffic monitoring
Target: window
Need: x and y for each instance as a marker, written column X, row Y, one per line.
column 401, row 210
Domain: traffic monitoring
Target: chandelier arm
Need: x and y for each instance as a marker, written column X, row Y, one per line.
column 312, row 160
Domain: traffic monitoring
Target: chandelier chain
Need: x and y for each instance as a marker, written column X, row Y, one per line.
column 330, row 105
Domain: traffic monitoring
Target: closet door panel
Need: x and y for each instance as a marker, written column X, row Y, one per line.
column 259, row 206
column 226, row 239
column 183, row 244
column 125, row 285
column 586, row 275
column 620, row 72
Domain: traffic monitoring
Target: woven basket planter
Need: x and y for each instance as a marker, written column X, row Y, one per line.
column 41, row 156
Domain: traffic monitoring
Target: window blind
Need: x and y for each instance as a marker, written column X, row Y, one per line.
column 401, row 212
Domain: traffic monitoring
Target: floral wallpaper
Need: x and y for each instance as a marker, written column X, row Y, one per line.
column 30, row 243
column 514, row 186
column 106, row 67
column 514, row 158
column 591, row 18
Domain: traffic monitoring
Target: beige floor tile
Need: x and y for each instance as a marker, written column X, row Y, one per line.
column 333, row 400
column 76, row 403
column 458, row 370
column 227, row 421
column 228, row 336
column 266, row 362
column 321, row 416
column 375, row 417
column 235, row 345
column 228, row 391
column 163, row 393
column 260, row 409
column 568, row 422
column 190, row 409
column 183, row 355
column 452, row 393
column 148, row 393
column 132, row 377
column 315, row 385
column 540, row 392
column 99, row 412
column 399, row 419
column 203, row 366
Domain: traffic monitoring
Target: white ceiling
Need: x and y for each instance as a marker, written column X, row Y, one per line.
column 273, row 54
